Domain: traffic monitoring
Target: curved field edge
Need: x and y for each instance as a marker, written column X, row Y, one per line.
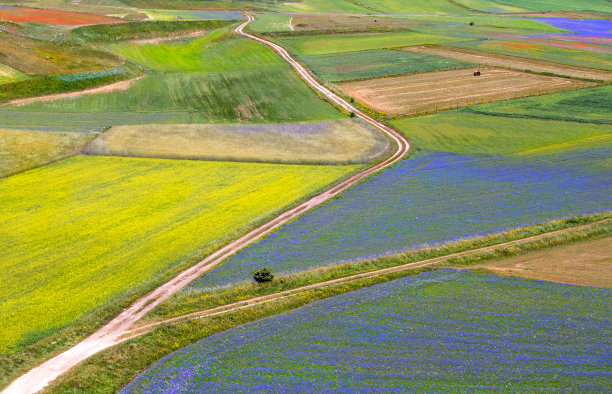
column 405, row 334
column 345, row 141
column 115, row 367
column 113, row 301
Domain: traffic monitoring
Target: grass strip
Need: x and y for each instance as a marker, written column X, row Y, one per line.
column 113, row 368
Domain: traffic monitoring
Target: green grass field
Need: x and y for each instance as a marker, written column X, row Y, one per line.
column 559, row 5
column 321, row 6
column 317, row 45
column 344, row 66
column 224, row 81
column 585, row 105
column 331, row 142
column 80, row 232
column 271, row 23
column 467, row 133
column 22, row 150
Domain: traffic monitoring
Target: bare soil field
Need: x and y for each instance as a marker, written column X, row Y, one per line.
column 518, row 63
column 435, row 91
column 584, row 263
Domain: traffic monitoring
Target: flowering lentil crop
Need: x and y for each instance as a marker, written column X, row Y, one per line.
column 429, row 199
column 588, row 27
column 91, row 75
column 439, row 331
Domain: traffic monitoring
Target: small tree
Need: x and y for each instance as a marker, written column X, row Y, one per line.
column 263, row 275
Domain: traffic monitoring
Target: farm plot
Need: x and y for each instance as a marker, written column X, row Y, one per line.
column 549, row 53
column 22, row 150
column 468, row 133
column 334, row 22
column 33, row 15
column 561, row 5
column 438, row 331
column 343, row 66
column 435, row 91
column 586, row 105
column 585, row 263
column 8, row 74
column 333, row 43
column 518, row 63
column 429, row 199
column 79, row 233
column 332, row 142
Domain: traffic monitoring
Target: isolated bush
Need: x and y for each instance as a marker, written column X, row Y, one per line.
column 263, row 275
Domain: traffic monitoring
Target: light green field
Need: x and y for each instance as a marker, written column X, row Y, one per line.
column 271, row 22
column 78, row 233
column 22, row 150
column 332, row 142
column 321, row 6
column 467, row 133
column 237, row 80
column 316, row 45
column 8, row 74
column 584, row 105
column 200, row 55
column 489, row 6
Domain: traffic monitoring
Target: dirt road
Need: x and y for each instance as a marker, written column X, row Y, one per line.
column 112, row 333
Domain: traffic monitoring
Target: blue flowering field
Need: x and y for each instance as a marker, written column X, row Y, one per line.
column 429, row 199
column 437, row 331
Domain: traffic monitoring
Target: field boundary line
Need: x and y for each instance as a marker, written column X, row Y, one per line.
column 111, row 333
column 112, row 87
column 144, row 329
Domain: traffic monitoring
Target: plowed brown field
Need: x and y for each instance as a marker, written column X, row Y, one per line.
column 434, row 91
column 515, row 62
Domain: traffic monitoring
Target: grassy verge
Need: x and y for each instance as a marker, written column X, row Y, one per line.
column 196, row 299
column 112, row 369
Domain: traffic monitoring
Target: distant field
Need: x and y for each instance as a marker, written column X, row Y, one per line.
column 242, row 81
column 130, row 221
column 321, row 6
column 585, row 105
column 585, row 263
column 147, row 29
column 22, row 150
column 36, row 57
column 33, row 15
column 172, row 15
column 8, row 74
column 336, row 67
column 429, row 199
column 575, row 57
column 582, row 5
column 497, row 60
column 434, row 91
column 321, row 44
column 271, row 23
column 439, row 331
column 347, row 23
column 332, row 142
column 468, row 133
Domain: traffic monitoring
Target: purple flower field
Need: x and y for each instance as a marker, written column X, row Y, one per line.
column 431, row 199
column 587, row 27
column 437, row 331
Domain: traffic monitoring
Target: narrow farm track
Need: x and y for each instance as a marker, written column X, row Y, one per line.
column 114, row 331
column 143, row 329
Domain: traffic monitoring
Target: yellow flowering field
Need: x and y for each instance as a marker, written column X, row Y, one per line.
column 77, row 234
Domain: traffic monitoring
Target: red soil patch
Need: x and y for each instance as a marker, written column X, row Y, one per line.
column 19, row 14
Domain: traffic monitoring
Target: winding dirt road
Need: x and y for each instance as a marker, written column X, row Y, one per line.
column 113, row 332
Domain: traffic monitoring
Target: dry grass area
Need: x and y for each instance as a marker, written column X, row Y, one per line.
column 518, row 63
column 330, row 142
column 313, row 22
column 584, row 263
column 435, row 91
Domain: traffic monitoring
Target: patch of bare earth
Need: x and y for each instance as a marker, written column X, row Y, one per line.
column 584, row 263
column 117, row 86
column 194, row 34
column 515, row 62
column 435, row 91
